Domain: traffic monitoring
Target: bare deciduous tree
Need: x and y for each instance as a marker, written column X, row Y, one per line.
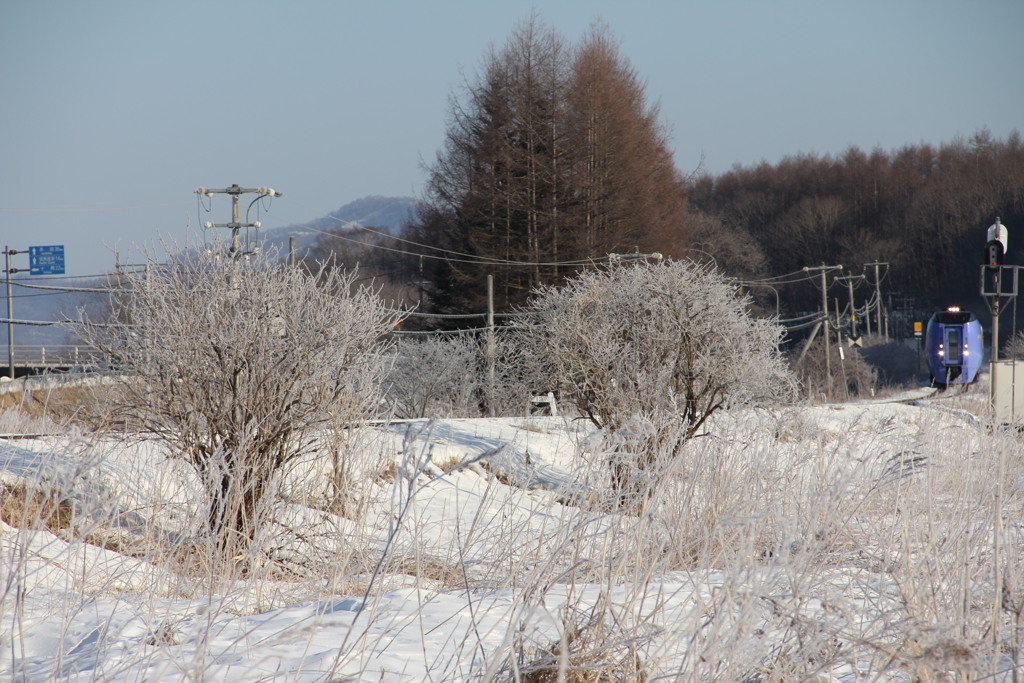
column 451, row 377
column 435, row 378
column 236, row 365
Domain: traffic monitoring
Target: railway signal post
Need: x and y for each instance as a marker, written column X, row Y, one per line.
column 998, row 281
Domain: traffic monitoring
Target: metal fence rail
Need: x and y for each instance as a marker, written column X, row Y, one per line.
column 50, row 355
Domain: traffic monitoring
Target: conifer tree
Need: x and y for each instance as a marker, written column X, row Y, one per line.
column 552, row 160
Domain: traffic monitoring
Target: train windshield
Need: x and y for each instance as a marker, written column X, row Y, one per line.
column 953, row 345
column 954, row 317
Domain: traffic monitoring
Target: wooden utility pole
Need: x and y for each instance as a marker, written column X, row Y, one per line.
column 491, row 347
column 878, row 295
column 849, row 279
column 824, row 314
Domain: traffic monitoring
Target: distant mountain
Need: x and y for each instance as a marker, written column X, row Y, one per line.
column 390, row 213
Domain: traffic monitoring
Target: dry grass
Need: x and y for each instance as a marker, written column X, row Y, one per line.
column 27, row 508
column 433, row 569
column 388, row 473
column 496, row 472
column 47, row 405
column 589, row 653
column 532, row 426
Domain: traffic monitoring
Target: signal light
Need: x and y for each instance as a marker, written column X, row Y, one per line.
column 994, row 253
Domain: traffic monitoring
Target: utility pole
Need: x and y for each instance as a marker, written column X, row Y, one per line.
column 491, row 349
column 8, row 252
column 849, row 279
column 842, row 358
column 236, row 191
column 878, row 295
column 824, row 314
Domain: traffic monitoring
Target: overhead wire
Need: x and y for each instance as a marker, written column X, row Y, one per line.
column 802, row 276
column 31, row 296
column 815, row 314
column 87, row 208
column 460, row 257
column 35, row 323
column 804, row 326
column 96, row 290
column 439, row 332
column 52, row 278
column 456, row 316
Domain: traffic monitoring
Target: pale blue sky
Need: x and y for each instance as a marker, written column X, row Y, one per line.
column 113, row 112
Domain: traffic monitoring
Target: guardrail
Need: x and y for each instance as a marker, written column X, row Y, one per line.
column 50, row 355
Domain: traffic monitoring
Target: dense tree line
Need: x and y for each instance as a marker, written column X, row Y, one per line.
column 921, row 209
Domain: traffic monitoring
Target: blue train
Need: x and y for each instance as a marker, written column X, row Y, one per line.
column 953, row 347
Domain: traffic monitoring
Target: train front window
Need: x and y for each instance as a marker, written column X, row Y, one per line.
column 954, row 345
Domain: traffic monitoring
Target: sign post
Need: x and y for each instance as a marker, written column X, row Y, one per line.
column 8, row 252
column 48, row 260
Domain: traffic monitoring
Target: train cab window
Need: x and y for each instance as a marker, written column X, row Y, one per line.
column 954, row 317
column 954, row 345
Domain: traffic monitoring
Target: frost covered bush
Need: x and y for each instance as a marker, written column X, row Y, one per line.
column 434, row 377
column 672, row 340
column 451, row 377
column 663, row 345
column 1014, row 347
column 235, row 365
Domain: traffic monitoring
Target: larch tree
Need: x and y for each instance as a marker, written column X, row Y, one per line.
column 631, row 196
column 493, row 191
column 552, row 160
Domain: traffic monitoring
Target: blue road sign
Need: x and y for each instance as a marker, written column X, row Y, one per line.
column 46, row 260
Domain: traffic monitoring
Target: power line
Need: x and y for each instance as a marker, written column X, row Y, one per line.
column 455, row 256
column 815, row 315
column 32, row 296
column 439, row 332
column 55, row 278
column 811, row 323
column 38, row 323
column 452, row 316
column 87, row 208
column 797, row 276
column 99, row 290
column 416, row 314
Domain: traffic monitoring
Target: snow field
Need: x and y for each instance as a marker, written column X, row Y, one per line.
column 864, row 541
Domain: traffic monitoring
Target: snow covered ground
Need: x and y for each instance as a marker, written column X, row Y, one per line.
column 863, row 541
